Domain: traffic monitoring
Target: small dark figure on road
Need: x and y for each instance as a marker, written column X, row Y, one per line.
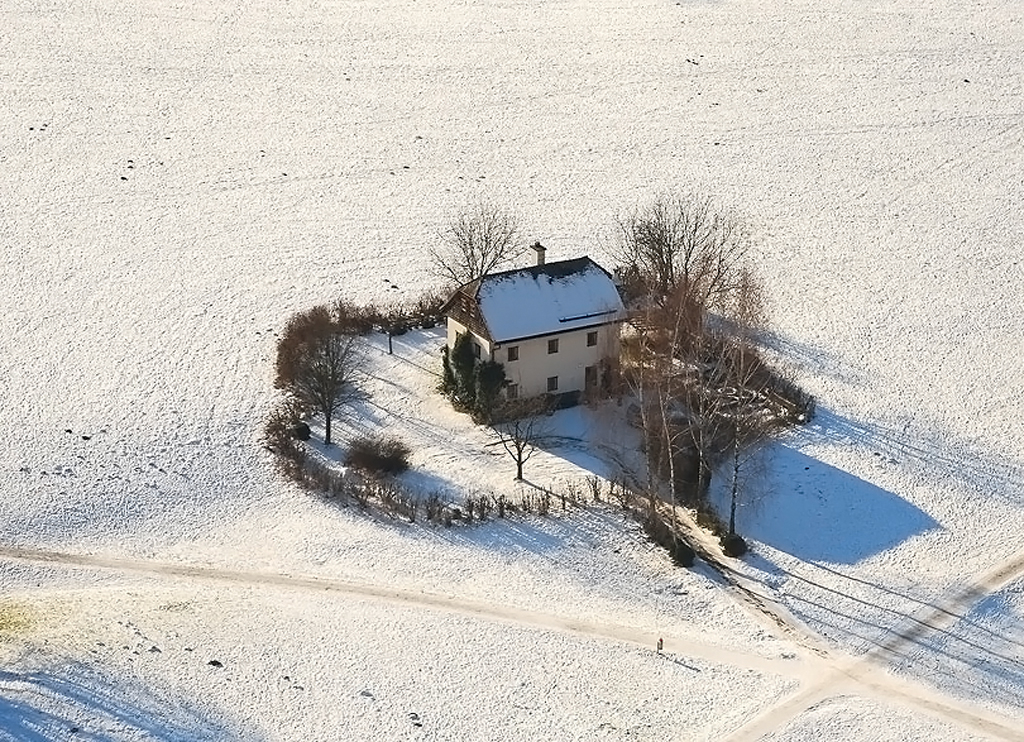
column 661, row 645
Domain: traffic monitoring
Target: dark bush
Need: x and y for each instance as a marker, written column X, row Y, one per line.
column 378, row 455
column 734, row 545
column 682, row 554
column 426, row 309
column 449, row 384
column 799, row 405
column 435, row 507
column 354, row 319
column 490, row 378
column 300, row 431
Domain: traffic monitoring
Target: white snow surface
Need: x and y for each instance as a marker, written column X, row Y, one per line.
column 176, row 178
column 544, row 300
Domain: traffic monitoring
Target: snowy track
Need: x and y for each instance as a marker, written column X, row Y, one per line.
column 839, row 674
column 433, row 601
column 824, row 673
column 871, row 672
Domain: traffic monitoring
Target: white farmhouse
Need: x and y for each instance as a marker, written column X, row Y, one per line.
column 553, row 326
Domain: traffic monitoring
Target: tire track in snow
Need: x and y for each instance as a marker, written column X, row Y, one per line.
column 938, row 618
column 868, row 672
column 676, row 643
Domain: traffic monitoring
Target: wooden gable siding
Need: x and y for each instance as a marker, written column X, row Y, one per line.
column 464, row 309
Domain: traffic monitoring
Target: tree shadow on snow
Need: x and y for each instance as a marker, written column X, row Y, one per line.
column 595, row 438
column 76, row 701
column 980, row 657
column 511, row 535
column 531, row 532
column 812, row 360
column 819, row 513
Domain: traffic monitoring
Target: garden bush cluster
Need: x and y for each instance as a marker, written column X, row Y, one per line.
column 378, row 455
column 368, row 483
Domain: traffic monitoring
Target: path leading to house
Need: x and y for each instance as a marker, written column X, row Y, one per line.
column 823, row 672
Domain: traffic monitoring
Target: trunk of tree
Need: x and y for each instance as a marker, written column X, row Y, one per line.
column 327, row 428
column 735, row 486
column 519, row 469
column 672, row 479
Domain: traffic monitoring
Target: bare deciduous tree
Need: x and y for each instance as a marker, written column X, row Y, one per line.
column 702, row 384
column 317, row 362
column 682, row 243
column 523, row 427
column 745, row 395
column 707, row 398
column 476, row 242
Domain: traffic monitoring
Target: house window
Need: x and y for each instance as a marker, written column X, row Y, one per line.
column 512, row 391
column 592, row 338
column 476, row 350
column 513, row 353
column 590, row 377
column 552, row 383
column 552, row 346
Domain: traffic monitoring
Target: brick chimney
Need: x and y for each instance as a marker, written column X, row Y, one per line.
column 540, row 252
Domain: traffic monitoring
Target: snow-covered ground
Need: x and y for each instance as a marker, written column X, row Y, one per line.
column 176, row 178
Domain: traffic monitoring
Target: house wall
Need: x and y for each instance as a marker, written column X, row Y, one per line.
column 535, row 364
column 456, row 328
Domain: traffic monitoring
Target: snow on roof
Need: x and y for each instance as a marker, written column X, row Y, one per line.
column 550, row 298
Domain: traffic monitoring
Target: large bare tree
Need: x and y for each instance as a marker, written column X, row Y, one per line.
column 752, row 413
column 701, row 383
column 317, row 361
column 682, row 243
column 477, row 241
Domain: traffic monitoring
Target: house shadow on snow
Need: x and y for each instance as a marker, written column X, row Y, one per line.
column 820, row 513
column 74, row 701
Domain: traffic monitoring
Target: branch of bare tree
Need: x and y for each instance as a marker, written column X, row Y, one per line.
column 476, row 242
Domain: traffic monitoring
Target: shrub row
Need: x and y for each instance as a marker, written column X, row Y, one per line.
column 663, row 534
column 377, row 455
column 394, row 319
column 369, row 481
column 656, row 524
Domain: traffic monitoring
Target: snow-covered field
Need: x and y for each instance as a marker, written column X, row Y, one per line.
column 176, row 178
